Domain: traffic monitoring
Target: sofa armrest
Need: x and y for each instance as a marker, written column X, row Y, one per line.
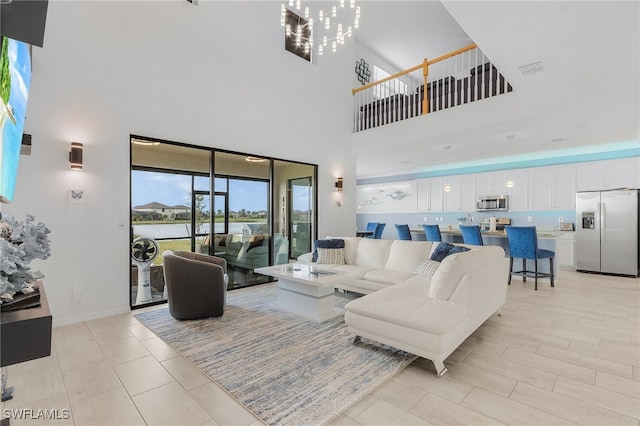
column 455, row 267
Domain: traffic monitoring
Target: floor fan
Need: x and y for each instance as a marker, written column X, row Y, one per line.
column 143, row 251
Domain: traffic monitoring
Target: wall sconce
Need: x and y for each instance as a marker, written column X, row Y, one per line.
column 339, row 184
column 75, row 156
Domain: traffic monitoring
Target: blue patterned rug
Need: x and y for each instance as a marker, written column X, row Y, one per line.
column 287, row 370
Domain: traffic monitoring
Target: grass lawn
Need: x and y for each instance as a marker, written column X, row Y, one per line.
column 183, row 244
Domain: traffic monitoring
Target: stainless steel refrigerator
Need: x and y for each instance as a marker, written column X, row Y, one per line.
column 607, row 232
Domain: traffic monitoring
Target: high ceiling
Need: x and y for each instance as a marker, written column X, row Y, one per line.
column 585, row 100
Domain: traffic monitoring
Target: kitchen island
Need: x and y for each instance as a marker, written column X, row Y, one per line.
column 560, row 242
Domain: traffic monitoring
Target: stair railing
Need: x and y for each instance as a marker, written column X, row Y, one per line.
column 458, row 77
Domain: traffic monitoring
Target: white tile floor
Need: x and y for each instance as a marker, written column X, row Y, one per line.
column 568, row 355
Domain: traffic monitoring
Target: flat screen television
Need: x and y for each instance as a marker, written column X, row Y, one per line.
column 15, row 79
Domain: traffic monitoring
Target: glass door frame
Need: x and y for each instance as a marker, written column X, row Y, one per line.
column 311, row 216
column 194, row 226
column 212, row 194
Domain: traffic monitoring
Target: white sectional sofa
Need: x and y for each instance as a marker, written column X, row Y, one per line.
column 429, row 316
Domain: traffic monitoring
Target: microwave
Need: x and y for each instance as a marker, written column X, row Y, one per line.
column 492, row 202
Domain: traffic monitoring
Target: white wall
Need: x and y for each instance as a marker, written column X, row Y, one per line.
column 213, row 75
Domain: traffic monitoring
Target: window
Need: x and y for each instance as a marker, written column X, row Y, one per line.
column 239, row 215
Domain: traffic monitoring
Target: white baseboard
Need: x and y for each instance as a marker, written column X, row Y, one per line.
column 89, row 317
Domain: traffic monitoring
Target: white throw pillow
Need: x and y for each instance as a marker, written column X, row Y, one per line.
column 427, row 268
column 331, row 256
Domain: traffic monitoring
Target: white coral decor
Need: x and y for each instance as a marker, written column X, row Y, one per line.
column 20, row 243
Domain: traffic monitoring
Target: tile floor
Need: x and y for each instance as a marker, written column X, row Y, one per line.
column 568, row 355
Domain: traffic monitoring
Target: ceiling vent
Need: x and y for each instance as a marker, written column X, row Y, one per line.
column 532, row 68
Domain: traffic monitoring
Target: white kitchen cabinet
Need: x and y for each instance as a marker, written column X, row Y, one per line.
column 430, row 194
column 451, row 198
column 437, row 194
column 491, row 183
column 422, row 191
column 621, row 173
column 566, row 250
column 563, row 187
column 519, row 189
column 552, row 188
column 467, row 193
column 610, row 174
column 461, row 197
column 540, row 188
column 590, row 176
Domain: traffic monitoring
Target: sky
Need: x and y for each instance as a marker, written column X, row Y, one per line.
column 10, row 134
column 173, row 189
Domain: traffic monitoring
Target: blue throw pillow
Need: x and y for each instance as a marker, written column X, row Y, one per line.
column 441, row 251
column 457, row 249
column 328, row 244
column 445, row 249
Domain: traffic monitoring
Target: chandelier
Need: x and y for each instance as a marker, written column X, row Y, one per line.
column 332, row 25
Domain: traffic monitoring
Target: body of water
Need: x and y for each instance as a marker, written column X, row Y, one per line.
column 183, row 230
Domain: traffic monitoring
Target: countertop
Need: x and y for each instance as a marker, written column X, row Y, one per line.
column 455, row 231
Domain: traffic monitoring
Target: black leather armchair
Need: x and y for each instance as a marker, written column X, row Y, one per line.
column 195, row 283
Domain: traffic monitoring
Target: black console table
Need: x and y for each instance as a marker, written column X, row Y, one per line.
column 25, row 334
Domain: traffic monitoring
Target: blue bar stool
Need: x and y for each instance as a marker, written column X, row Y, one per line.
column 403, row 232
column 371, row 227
column 471, row 235
column 377, row 234
column 432, row 232
column 523, row 243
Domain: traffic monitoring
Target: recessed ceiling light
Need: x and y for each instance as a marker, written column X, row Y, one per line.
column 532, row 68
column 557, row 140
column 144, row 142
column 511, row 137
column 581, row 125
column 253, row 159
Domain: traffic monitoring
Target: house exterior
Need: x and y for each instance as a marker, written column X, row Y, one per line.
column 177, row 212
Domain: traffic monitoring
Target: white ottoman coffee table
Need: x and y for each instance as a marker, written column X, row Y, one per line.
column 305, row 290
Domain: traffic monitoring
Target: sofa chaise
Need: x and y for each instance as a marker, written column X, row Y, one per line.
column 414, row 303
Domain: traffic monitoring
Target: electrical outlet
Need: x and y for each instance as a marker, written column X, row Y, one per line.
column 77, row 294
column 529, row 219
column 560, row 219
column 424, row 219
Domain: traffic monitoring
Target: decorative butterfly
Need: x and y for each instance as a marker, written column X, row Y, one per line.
column 76, row 194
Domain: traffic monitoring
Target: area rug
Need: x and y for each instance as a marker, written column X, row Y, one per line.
column 287, row 370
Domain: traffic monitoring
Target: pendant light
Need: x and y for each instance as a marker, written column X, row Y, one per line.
column 447, row 187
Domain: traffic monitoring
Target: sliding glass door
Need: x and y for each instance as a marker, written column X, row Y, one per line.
column 301, row 214
column 251, row 211
column 176, row 218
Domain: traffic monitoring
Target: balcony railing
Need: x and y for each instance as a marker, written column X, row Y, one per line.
column 457, row 78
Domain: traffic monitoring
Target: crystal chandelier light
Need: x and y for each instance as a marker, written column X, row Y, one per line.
column 329, row 24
